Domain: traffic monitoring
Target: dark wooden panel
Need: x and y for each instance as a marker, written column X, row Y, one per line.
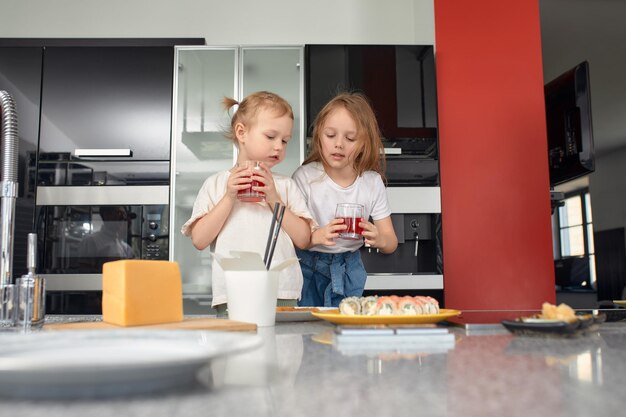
column 610, row 246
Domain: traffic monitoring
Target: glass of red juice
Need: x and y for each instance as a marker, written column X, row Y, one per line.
column 249, row 195
column 352, row 215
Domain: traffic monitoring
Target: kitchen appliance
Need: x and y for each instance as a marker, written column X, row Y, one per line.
column 412, row 161
column 417, row 264
column 81, row 228
column 412, row 174
column 101, row 174
column 419, row 249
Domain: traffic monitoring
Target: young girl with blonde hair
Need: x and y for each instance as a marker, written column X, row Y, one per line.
column 345, row 165
column 261, row 129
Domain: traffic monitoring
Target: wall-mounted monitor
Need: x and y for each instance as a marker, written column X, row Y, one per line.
column 569, row 127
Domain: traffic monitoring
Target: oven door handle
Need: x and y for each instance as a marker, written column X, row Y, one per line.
column 102, row 152
column 141, row 195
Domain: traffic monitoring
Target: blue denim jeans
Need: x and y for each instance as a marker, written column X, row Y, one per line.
column 330, row 277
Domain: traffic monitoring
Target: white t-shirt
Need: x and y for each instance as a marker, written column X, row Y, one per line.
column 323, row 194
column 247, row 229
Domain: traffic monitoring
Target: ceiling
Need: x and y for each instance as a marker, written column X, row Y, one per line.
column 573, row 31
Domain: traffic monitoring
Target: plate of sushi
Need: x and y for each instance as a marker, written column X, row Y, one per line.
column 387, row 310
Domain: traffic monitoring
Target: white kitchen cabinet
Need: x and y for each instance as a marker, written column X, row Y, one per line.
column 204, row 77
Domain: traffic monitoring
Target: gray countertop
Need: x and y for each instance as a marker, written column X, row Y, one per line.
column 298, row 371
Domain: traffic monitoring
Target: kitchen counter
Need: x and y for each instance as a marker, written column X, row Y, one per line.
column 299, row 372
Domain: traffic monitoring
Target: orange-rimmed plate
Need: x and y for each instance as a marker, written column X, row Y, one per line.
column 335, row 317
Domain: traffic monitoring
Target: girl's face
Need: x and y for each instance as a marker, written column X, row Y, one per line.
column 339, row 140
column 265, row 139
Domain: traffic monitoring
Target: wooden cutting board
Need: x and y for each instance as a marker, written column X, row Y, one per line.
column 202, row 323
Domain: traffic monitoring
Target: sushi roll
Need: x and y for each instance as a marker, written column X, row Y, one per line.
column 350, row 306
column 368, row 305
column 429, row 304
column 434, row 305
column 409, row 306
column 386, row 306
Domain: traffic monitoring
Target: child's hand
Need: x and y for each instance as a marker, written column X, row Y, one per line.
column 264, row 175
column 239, row 179
column 326, row 235
column 370, row 233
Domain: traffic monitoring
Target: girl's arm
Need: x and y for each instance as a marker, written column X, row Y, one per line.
column 297, row 228
column 380, row 235
column 206, row 228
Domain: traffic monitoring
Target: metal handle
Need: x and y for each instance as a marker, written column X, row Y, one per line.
column 31, row 254
column 102, row 195
column 102, row 152
column 416, row 243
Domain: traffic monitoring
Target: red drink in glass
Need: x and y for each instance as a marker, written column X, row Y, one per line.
column 354, row 231
column 352, row 215
column 249, row 195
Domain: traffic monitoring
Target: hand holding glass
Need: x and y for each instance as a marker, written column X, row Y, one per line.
column 352, row 215
column 248, row 194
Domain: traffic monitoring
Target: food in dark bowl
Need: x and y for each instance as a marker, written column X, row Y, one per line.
column 554, row 321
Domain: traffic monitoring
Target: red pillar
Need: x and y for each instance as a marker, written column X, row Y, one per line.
column 493, row 148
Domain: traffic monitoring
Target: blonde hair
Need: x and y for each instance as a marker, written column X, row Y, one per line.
column 370, row 154
column 247, row 111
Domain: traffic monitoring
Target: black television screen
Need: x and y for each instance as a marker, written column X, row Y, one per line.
column 569, row 128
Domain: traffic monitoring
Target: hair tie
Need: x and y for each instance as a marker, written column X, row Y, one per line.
column 233, row 109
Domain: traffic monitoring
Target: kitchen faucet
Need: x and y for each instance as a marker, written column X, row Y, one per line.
column 8, row 183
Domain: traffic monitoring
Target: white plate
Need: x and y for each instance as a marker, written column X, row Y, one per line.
column 296, row 315
column 109, row 362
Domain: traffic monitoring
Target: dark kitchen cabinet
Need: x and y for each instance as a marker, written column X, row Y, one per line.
column 107, row 98
column 399, row 80
column 106, row 116
column 111, row 96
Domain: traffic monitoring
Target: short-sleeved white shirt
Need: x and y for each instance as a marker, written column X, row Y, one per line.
column 322, row 195
column 247, row 229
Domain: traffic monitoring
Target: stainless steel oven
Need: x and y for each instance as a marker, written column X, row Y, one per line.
column 80, row 228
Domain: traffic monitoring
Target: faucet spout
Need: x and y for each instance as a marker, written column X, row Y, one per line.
column 9, row 142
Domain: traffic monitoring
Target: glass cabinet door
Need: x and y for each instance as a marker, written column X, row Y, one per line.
column 205, row 76
column 279, row 70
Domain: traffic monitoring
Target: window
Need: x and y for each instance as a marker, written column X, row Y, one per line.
column 574, row 227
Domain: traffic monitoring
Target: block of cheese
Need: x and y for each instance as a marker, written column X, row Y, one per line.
column 139, row 292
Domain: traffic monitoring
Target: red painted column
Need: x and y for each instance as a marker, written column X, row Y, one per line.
column 495, row 191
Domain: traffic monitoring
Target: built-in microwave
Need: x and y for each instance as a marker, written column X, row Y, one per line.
column 81, row 228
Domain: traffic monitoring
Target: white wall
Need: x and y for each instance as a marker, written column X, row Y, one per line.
column 607, row 186
column 226, row 22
